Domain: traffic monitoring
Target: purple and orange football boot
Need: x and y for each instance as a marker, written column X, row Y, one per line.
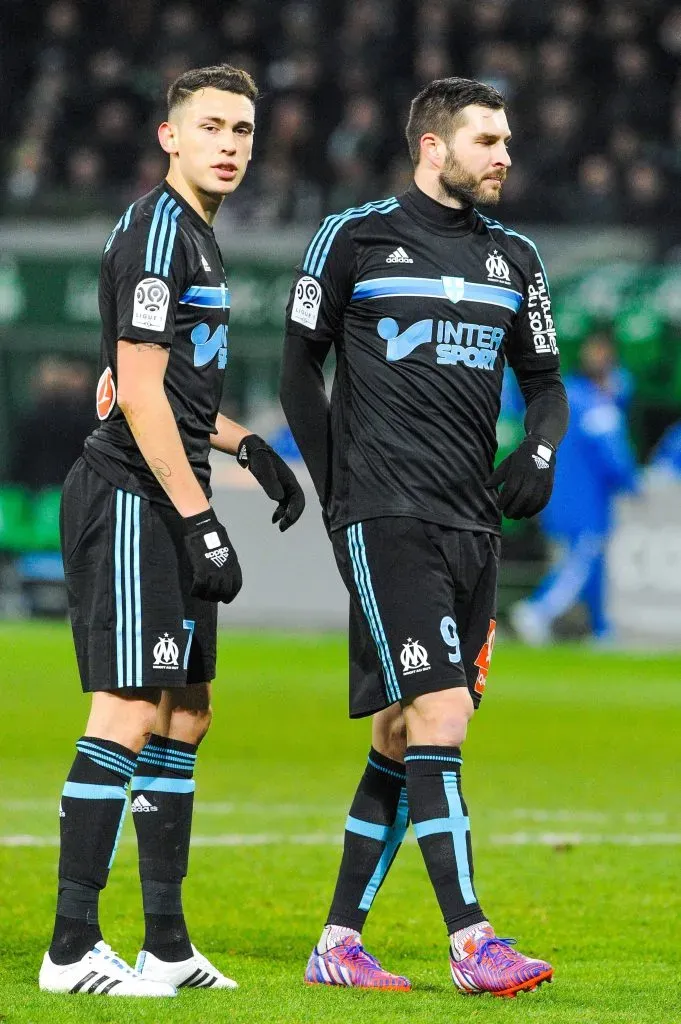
column 492, row 965
column 349, row 964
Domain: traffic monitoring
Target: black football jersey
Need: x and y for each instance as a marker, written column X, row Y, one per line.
column 425, row 305
column 162, row 281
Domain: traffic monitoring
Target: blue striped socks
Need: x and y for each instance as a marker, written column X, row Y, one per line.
column 91, row 814
column 441, row 824
column 373, row 833
column 162, row 804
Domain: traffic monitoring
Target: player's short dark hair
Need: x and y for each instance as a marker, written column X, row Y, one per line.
column 220, row 76
column 437, row 108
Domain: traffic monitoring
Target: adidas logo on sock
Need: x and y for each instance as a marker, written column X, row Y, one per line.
column 62, row 812
column 399, row 256
column 141, row 805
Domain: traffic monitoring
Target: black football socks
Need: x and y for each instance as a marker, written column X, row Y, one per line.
column 440, row 819
column 374, row 830
column 91, row 814
column 162, row 804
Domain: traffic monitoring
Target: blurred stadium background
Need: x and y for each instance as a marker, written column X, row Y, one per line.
column 594, row 98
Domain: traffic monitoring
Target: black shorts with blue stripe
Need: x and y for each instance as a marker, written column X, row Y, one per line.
column 134, row 622
column 422, row 609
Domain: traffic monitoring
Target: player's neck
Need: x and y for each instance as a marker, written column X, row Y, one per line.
column 205, row 205
column 431, row 187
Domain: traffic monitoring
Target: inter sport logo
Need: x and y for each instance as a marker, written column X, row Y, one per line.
column 474, row 345
column 207, row 345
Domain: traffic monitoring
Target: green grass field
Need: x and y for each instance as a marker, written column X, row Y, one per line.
column 571, row 778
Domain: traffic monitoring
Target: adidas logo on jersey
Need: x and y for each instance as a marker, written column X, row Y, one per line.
column 141, row 805
column 399, row 256
column 205, row 264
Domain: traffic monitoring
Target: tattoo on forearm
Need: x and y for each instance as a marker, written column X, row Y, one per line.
column 161, row 470
column 143, row 346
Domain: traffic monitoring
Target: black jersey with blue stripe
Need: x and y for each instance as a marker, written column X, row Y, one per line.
column 162, row 280
column 424, row 305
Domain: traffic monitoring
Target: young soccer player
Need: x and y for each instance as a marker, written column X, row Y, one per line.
column 145, row 556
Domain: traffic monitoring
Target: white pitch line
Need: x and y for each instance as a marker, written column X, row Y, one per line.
column 330, row 839
column 337, row 812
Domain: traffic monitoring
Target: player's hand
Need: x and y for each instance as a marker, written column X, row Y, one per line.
column 276, row 479
column 216, row 569
column 527, row 478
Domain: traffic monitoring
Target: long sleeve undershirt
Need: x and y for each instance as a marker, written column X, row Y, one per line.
column 306, row 406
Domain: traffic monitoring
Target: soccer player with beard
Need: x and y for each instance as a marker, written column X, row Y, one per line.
column 425, row 300
column 145, row 557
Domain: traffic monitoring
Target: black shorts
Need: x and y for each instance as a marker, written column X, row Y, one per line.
column 422, row 609
column 128, row 576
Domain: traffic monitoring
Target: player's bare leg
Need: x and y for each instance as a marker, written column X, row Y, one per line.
column 480, row 961
column 92, row 810
column 163, row 798
column 374, row 830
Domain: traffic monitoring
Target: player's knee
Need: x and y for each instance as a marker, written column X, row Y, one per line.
column 123, row 719
column 389, row 733
column 190, row 725
column 439, row 719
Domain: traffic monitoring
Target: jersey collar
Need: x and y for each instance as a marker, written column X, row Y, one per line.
column 445, row 220
column 194, row 217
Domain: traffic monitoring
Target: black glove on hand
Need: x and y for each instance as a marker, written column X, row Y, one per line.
column 276, row 479
column 216, row 569
column 527, row 475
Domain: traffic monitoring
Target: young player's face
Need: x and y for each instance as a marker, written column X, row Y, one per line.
column 211, row 135
column 477, row 157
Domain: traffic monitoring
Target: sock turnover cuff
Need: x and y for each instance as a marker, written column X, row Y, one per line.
column 106, row 754
column 424, row 760
column 386, row 765
column 164, row 754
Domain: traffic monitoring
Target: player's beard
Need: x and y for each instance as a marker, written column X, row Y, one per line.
column 458, row 183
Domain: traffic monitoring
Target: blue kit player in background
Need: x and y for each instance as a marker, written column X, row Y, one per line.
column 424, row 301
column 596, row 463
column 145, row 557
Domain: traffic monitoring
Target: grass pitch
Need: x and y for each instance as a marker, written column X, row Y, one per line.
column 571, row 776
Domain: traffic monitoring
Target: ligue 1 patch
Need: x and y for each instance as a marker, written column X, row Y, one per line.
column 306, row 302
column 106, row 394
column 151, row 304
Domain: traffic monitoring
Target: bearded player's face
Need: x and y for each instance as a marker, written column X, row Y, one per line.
column 477, row 157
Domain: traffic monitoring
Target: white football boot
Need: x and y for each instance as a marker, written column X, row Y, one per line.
column 196, row 972
column 101, row 972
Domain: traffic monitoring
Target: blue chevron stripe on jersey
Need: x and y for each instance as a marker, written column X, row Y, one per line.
column 318, row 249
column 206, row 295
column 438, row 288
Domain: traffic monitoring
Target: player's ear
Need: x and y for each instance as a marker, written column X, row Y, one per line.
column 167, row 136
column 433, row 149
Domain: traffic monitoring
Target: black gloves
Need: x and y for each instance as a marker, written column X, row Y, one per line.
column 527, row 475
column 216, row 569
column 274, row 476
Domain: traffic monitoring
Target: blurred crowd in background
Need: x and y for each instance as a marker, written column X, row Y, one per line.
column 593, row 91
